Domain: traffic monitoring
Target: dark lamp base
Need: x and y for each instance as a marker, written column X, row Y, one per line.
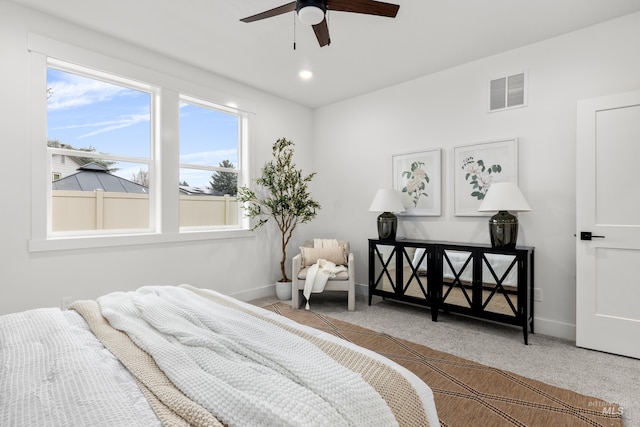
column 503, row 230
column 387, row 225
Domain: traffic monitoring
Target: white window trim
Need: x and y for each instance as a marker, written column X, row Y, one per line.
column 166, row 159
column 241, row 131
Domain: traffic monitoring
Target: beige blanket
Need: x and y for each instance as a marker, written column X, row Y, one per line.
column 170, row 404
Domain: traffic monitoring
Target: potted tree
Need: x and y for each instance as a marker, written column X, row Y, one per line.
column 282, row 194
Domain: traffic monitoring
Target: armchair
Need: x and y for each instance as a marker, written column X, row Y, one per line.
column 343, row 281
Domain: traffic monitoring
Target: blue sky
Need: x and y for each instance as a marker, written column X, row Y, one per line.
column 85, row 112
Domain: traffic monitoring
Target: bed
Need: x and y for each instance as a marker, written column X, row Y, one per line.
column 179, row 355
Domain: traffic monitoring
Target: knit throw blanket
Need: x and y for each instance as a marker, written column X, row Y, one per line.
column 223, row 361
column 317, row 276
column 171, row 406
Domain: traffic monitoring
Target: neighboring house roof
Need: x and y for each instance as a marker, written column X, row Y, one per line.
column 92, row 176
column 197, row 191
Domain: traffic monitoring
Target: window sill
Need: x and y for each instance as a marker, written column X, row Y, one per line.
column 88, row 242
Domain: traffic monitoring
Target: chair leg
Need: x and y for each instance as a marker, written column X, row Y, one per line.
column 295, row 296
column 351, row 301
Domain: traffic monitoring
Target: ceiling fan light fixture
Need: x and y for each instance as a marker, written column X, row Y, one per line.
column 311, row 15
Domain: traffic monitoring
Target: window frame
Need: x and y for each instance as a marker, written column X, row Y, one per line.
column 242, row 130
column 154, row 97
column 164, row 155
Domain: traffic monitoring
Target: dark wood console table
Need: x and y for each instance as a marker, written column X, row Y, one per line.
column 476, row 280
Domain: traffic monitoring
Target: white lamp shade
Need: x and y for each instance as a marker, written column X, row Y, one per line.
column 386, row 200
column 311, row 15
column 504, row 196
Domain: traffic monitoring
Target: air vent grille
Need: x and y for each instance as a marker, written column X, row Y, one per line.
column 507, row 92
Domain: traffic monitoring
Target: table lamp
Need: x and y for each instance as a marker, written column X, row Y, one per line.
column 387, row 201
column 503, row 226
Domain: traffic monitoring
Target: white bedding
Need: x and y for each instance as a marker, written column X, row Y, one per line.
column 53, row 371
column 253, row 371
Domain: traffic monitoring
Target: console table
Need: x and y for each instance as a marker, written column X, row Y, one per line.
column 472, row 279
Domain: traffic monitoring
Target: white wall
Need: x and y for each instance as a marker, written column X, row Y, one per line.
column 244, row 267
column 353, row 142
column 355, row 139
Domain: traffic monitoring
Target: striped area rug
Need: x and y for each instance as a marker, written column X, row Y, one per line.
column 468, row 393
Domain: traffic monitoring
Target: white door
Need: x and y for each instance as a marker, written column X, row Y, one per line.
column 608, row 207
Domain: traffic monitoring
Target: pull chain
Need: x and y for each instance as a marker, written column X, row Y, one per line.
column 294, row 30
column 328, row 18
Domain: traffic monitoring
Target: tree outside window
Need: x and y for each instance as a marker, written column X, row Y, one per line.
column 225, row 182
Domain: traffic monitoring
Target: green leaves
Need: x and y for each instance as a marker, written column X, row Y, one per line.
column 225, row 182
column 479, row 176
column 282, row 195
column 417, row 180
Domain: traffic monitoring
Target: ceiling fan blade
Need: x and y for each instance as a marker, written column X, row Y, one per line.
column 289, row 7
column 322, row 33
column 369, row 7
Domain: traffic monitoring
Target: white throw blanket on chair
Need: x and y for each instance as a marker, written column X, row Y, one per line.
column 317, row 277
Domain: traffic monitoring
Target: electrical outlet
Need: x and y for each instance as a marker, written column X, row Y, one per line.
column 65, row 302
column 537, row 294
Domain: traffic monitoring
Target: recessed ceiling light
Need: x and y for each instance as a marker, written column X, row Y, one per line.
column 305, row 74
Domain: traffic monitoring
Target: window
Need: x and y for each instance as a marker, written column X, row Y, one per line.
column 126, row 155
column 88, row 116
column 209, row 145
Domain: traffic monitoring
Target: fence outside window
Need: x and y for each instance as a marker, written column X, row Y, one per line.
column 101, row 210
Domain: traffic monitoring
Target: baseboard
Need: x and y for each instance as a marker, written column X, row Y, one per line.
column 270, row 291
column 554, row 328
column 362, row 289
column 541, row 326
column 255, row 293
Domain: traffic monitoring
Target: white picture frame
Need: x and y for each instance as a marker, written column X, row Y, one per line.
column 417, row 178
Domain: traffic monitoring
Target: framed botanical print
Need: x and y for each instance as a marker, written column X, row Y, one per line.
column 417, row 179
column 476, row 167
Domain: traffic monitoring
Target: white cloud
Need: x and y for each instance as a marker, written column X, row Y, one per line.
column 213, row 158
column 71, row 91
column 79, row 91
column 195, row 178
column 113, row 125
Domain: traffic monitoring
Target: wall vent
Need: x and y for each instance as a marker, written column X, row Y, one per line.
column 508, row 92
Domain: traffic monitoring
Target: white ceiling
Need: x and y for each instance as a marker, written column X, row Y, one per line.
column 366, row 53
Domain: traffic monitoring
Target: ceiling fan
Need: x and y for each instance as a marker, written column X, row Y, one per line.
column 312, row 12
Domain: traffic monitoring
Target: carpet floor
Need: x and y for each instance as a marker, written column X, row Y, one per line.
column 468, row 393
